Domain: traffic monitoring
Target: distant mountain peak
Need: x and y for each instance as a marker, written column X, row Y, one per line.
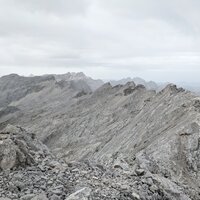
column 77, row 76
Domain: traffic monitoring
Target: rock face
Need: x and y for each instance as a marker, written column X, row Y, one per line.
column 19, row 149
column 121, row 142
column 150, row 85
column 19, row 101
column 80, row 76
column 14, row 87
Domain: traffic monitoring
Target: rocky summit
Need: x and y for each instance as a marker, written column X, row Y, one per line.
column 60, row 138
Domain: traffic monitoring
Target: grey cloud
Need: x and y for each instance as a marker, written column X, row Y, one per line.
column 103, row 38
column 60, row 7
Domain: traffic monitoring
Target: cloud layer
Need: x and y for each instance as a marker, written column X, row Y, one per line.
column 153, row 39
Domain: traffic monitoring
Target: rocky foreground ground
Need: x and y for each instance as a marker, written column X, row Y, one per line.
column 30, row 172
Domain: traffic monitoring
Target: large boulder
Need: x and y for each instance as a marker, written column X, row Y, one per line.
column 8, row 154
column 19, row 148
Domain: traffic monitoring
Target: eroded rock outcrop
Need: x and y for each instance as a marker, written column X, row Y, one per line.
column 19, row 148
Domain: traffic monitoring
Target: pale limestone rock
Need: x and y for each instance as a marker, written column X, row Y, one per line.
column 82, row 194
column 41, row 196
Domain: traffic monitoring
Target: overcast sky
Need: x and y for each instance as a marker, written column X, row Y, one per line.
column 109, row 39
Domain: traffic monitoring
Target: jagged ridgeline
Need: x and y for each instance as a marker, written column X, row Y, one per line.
column 72, row 137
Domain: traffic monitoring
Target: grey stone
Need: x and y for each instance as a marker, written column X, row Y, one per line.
column 140, row 172
column 41, row 196
column 8, row 154
column 27, row 197
column 54, row 197
column 136, row 196
column 153, row 188
column 82, row 194
column 2, row 198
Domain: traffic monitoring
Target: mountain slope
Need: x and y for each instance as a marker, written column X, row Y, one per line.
column 34, row 100
column 93, row 84
column 112, row 124
column 138, row 81
column 127, row 127
column 28, row 171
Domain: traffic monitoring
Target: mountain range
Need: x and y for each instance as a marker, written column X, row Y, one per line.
column 146, row 134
